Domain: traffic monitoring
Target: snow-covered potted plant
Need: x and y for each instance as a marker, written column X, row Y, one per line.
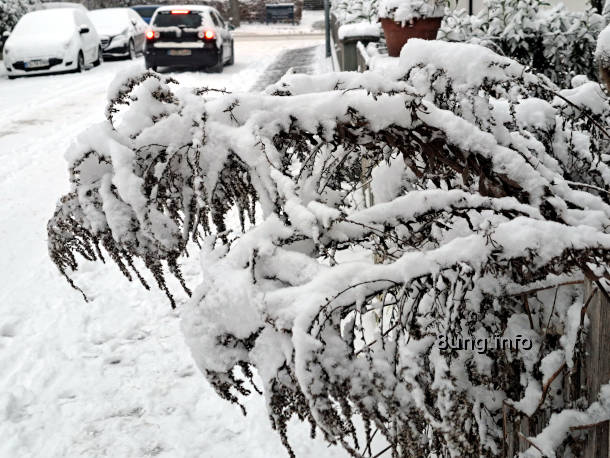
column 404, row 19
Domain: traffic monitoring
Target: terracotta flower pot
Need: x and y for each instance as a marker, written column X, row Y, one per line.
column 396, row 35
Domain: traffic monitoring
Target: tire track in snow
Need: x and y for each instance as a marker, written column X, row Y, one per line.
column 299, row 60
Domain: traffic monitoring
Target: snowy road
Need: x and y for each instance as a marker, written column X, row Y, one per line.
column 111, row 377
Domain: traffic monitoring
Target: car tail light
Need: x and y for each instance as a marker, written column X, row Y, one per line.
column 206, row 34
column 180, row 11
column 151, row 34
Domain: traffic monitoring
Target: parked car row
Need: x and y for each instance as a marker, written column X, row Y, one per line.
column 62, row 36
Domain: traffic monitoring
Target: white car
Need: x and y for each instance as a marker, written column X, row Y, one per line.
column 122, row 31
column 53, row 40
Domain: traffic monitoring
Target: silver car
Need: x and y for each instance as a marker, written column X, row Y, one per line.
column 122, row 31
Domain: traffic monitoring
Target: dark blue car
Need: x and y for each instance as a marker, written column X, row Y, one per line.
column 146, row 11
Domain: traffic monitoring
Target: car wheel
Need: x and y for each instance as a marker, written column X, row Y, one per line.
column 150, row 66
column 11, row 77
column 232, row 59
column 80, row 63
column 219, row 63
column 100, row 58
column 132, row 50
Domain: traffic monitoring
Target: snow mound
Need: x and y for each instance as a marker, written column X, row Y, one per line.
column 359, row 29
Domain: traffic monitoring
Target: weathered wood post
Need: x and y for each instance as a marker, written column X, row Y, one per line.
column 583, row 381
column 597, row 363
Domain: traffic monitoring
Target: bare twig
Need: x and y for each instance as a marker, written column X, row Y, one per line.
column 547, row 385
column 383, row 451
column 529, row 441
column 544, row 288
column 526, row 305
column 590, row 426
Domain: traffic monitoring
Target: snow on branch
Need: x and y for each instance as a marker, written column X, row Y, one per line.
column 487, row 179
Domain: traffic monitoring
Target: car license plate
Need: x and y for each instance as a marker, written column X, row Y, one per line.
column 179, row 52
column 37, row 63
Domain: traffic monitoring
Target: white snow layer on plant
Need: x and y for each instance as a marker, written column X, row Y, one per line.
column 489, row 190
column 560, row 423
column 354, row 11
column 10, row 13
column 404, row 11
column 602, row 50
column 550, row 39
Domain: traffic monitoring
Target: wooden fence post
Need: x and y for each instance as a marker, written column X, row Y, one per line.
column 584, row 381
column 597, row 364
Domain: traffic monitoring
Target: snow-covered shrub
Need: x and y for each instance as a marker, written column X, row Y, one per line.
column 407, row 10
column 554, row 41
column 491, row 188
column 354, row 11
column 97, row 4
column 355, row 18
column 602, row 56
column 10, row 12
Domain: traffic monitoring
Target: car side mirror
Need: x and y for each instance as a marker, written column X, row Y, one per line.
column 230, row 26
column 133, row 23
column 83, row 29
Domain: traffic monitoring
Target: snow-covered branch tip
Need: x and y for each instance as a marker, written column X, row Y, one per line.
column 481, row 188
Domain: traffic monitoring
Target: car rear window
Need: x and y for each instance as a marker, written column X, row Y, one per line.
column 167, row 19
column 146, row 11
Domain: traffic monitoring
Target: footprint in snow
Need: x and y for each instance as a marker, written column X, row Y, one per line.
column 8, row 330
column 112, row 360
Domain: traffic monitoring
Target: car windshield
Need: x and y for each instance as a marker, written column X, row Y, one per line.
column 110, row 20
column 45, row 22
column 146, row 11
column 167, row 19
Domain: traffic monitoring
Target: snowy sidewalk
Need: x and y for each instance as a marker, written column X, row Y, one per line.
column 112, row 377
column 312, row 24
column 301, row 60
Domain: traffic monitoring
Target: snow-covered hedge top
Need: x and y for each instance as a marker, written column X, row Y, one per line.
column 354, row 11
column 489, row 185
column 359, row 29
column 10, row 13
column 407, row 10
column 551, row 40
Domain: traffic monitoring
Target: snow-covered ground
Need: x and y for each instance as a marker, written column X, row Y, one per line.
column 312, row 22
column 111, row 377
